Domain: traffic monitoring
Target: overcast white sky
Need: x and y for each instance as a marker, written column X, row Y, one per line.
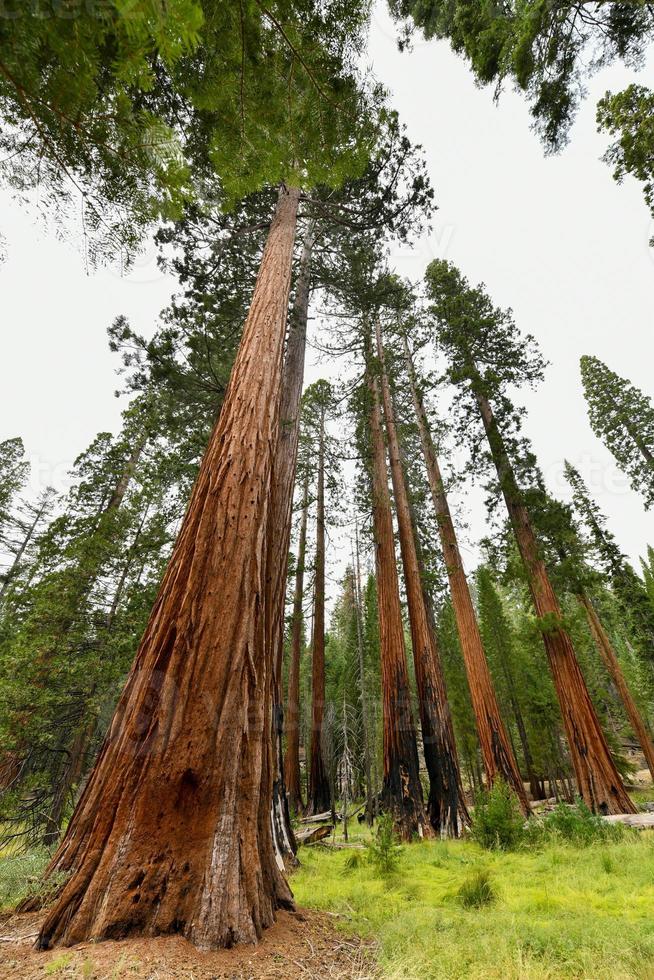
column 554, row 238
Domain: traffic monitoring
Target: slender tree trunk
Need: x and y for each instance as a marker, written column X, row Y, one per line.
column 126, row 476
column 69, row 778
column 29, row 534
column 365, row 722
column 521, row 727
column 279, row 538
column 608, row 655
column 401, row 788
column 292, row 760
column 445, row 788
column 598, row 780
column 172, row 832
column 319, row 798
column 496, row 751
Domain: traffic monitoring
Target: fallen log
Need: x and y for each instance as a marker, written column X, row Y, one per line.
column 314, row 834
column 325, row 817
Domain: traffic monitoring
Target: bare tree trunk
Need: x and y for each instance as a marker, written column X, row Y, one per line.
column 608, row 655
column 401, row 788
column 292, row 761
column 365, row 722
column 445, row 789
column 125, row 478
column 172, row 832
column 279, row 538
column 319, row 797
column 598, row 781
column 496, row 750
column 29, row 534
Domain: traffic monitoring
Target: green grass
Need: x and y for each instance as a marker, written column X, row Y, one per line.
column 21, row 875
column 557, row 911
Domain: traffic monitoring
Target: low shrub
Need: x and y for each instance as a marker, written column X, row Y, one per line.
column 384, row 850
column 497, row 822
column 574, row 825
column 477, row 890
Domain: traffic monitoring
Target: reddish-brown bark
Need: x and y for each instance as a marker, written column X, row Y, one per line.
column 497, row 754
column 598, row 781
column 446, row 800
column 365, row 721
column 173, row 831
column 612, row 664
column 292, row 760
column 319, row 795
column 279, row 538
column 401, row 790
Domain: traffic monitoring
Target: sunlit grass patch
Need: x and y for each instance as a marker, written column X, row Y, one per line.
column 558, row 910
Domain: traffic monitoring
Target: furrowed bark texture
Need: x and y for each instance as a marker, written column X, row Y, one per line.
column 279, row 538
column 598, row 781
column 612, row 664
column 319, row 796
column 401, row 790
column 445, row 789
column 496, row 751
column 292, row 760
column 173, row 832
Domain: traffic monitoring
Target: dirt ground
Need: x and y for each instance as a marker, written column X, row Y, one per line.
column 302, row 944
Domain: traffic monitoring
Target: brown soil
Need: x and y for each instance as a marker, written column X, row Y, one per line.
column 301, row 944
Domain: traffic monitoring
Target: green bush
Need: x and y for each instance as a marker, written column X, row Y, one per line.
column 383, row 850
column 477, row 890
column 497, row 822
column 574, row 825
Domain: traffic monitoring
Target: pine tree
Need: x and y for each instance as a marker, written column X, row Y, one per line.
column 623, row 418
column 628, row 116
column 499, row 644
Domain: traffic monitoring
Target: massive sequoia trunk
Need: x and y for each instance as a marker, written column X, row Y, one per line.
column 292, row 760
column 446, row 800
column 612, row 664
column 173, row 832
column 598, row 780
column 497, row 754
column 401, row 790
column 319, row 796
column 279, row 537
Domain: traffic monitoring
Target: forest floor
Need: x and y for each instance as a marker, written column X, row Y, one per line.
column 305, row 944
column 557, row 910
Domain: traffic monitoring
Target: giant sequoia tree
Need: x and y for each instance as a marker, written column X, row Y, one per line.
column 178, row 744
column 318, row 401
column 486, row 355
column 446, row 803
column 498, row 756
column 175, row 746
column 401, row 790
